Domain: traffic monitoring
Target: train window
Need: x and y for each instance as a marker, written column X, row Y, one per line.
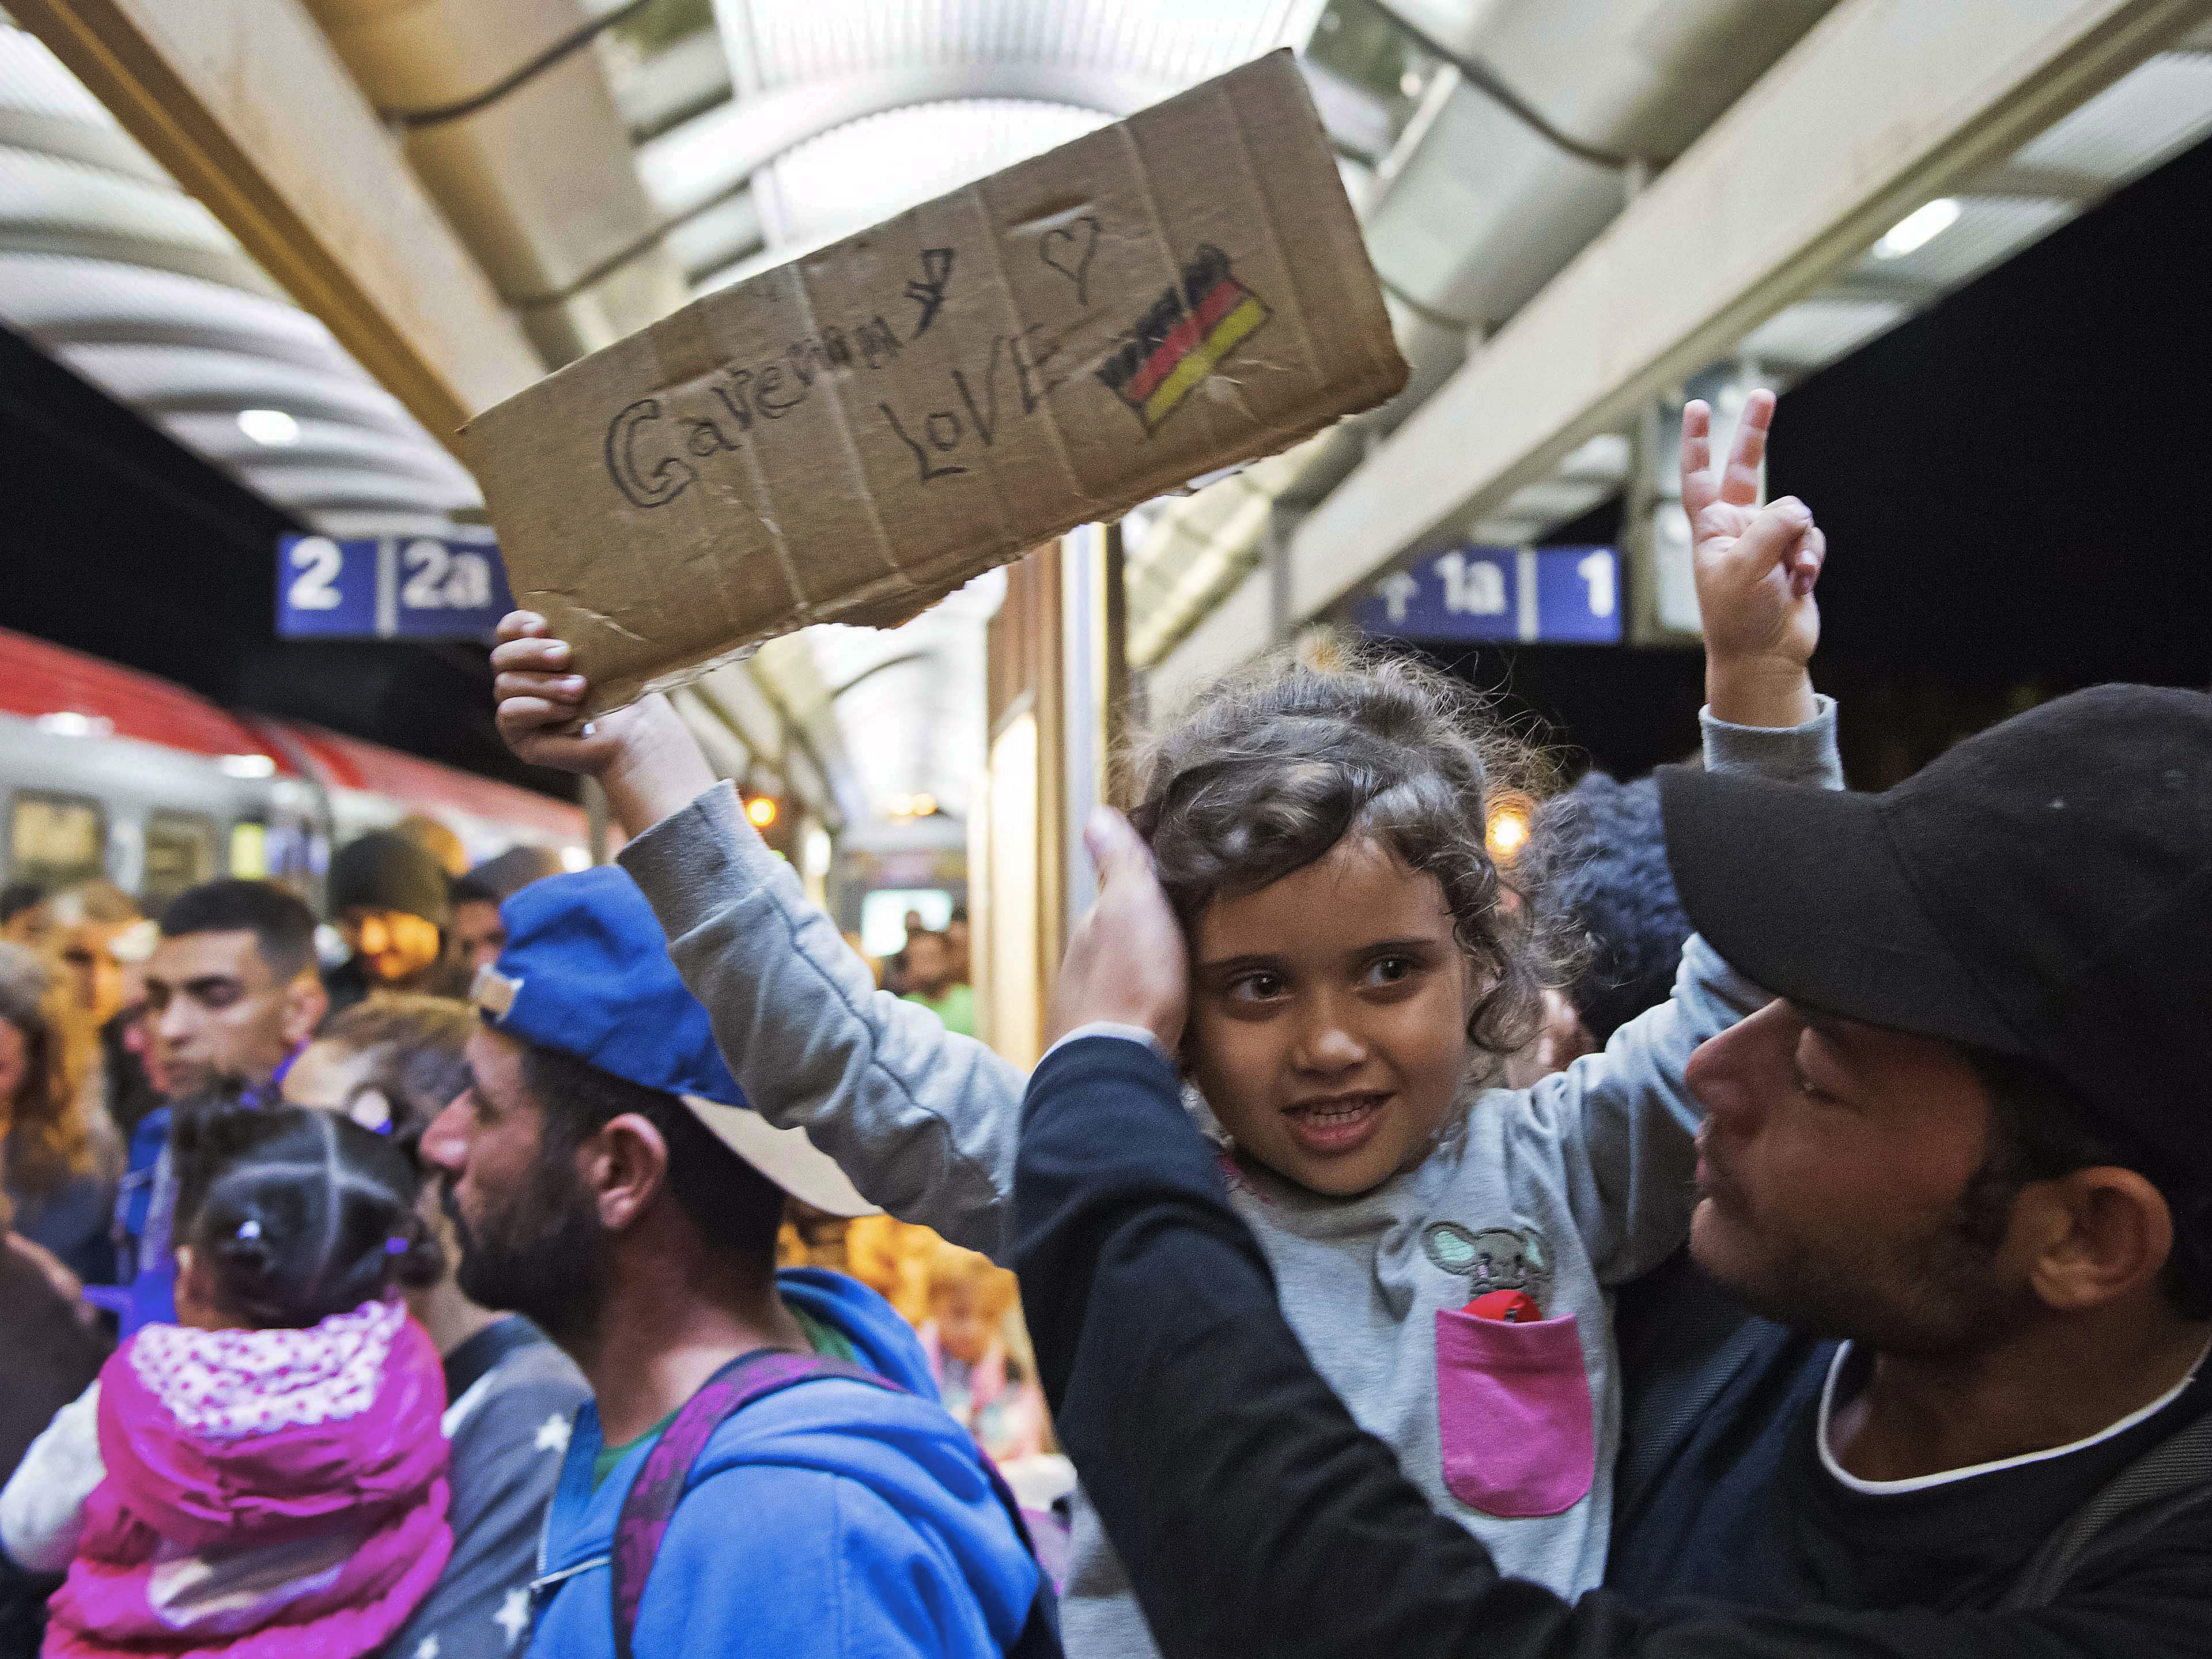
column 181, row 853
column 58, row 840
column 249, row 850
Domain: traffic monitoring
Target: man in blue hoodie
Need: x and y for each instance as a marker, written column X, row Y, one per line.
column 606, row 1179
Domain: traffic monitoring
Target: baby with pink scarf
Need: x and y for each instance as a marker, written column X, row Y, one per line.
column 267, row 1477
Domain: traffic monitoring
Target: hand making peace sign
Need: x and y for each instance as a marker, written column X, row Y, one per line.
column 1755, row 566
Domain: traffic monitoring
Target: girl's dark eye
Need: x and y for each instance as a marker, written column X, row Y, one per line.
column 1255, row 987
column 1392, row 970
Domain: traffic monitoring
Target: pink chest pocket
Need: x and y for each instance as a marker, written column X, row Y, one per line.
column 1514, row 1401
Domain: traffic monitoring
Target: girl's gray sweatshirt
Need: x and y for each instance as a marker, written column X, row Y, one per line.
column 1560, row 1192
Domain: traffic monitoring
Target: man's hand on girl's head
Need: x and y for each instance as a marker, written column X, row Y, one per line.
column 1126, row 965
column 1755, row 570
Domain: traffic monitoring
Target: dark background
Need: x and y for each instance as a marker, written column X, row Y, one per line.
column 116, row 540
column 2012, row 485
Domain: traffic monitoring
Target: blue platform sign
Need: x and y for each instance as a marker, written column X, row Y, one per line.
column 398, row 587
column 1535, row 595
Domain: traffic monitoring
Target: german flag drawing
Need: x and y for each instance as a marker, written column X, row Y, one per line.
column 1183, row 337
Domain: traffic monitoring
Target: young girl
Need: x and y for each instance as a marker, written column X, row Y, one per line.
column 1444, row 1252
column 266, row 1477
column 970, row 1297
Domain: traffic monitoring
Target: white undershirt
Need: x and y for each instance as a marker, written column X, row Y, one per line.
column 1922, row 1482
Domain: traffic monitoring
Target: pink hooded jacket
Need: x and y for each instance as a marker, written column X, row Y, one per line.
column 267, row 1493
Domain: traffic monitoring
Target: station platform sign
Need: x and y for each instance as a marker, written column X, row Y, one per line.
column 393, row 587
column 1532, row 595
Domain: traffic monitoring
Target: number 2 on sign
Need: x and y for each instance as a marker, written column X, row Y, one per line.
column 317, row 559
column 439, row 578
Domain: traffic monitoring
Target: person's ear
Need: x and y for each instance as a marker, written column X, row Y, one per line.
column 305, row 1002
column 2092, row 1236
column 627, row 1168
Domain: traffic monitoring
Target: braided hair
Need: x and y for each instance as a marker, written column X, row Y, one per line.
column 297, row 1214
column 1272, row 766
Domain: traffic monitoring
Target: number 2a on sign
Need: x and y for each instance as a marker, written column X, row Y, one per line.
column 439, row 577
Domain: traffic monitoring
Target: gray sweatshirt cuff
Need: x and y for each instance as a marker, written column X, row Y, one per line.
column 1803, row 754
column 692, row 863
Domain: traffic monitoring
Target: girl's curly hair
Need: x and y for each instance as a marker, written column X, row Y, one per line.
column 1271, row 767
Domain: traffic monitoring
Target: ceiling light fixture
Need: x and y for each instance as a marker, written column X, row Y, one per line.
column 1917, row 228
column 272, row 429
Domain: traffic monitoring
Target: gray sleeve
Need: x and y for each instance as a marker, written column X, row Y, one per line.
column 924, row 1120
column 1620, row 1125
column 506, row 1460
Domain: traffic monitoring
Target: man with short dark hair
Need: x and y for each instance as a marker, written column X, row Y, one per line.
column 1960, row 1167
column 764, row 1468
column 233, row 994
column 232, row 991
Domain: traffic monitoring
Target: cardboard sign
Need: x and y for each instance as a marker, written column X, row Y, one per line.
column 851, row 436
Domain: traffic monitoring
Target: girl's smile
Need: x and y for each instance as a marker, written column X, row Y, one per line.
column 1328, row 1018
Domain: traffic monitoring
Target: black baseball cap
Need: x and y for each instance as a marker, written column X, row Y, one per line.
column 2043, row 890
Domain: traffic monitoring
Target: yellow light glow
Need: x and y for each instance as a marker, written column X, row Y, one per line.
column 1508, row 832
column 924, row 805
column 761, row 811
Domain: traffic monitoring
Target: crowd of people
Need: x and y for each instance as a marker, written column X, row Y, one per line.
column 1760, row 1218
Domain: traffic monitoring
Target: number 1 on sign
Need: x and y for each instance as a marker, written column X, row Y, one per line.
column 1596, row 571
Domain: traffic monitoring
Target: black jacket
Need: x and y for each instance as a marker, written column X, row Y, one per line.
column 1256, row 1518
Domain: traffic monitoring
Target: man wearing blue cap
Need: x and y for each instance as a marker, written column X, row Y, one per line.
column 764, row 1468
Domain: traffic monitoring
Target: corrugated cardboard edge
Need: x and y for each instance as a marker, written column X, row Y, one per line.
column 1388, row 375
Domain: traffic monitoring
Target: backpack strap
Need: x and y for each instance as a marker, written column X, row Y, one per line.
column 2174, row 1475
column 650, row 1506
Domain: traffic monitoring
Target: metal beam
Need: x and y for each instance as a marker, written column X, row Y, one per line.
column 1884, row 104
column 249, row 109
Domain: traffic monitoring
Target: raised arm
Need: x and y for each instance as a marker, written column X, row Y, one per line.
column 923, row 1120
column 1621, row 1124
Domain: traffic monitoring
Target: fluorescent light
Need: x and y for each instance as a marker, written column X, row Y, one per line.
column 247, row 766
column 1917, row 228
column 271, row 428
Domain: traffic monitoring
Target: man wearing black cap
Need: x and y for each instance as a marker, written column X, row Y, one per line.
column 1960, row 1167
column 387, row 895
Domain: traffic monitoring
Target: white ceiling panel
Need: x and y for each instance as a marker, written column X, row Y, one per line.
column 843, row 182
column 110, row 268
column 775, row 43
column 2151, row 114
